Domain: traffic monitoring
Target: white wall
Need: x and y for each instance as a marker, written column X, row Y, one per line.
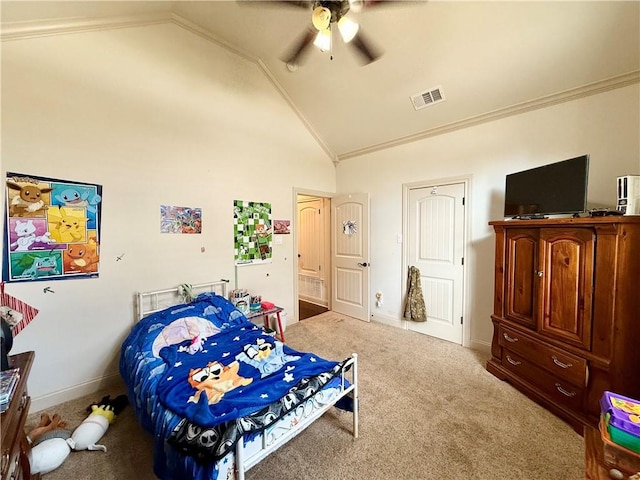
column 156, row 115
column 606, row 126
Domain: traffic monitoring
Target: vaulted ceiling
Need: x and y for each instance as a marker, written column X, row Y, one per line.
column 488, row 59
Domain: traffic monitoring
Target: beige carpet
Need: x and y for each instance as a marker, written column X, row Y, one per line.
column 428, row 410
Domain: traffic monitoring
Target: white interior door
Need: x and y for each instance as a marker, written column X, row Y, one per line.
column 311, row 252
column 436, row 247
column 350, row 255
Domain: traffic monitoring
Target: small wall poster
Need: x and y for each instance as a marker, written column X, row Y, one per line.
column 282, row 227
column 52, row 229
column 252, row 232
column 180, row 219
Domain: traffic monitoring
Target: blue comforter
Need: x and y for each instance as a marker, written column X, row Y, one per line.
column 209, row 366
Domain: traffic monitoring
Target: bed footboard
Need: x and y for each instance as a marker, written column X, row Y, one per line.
column 248, row 455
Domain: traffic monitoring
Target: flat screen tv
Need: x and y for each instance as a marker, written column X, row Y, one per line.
column 557, row 188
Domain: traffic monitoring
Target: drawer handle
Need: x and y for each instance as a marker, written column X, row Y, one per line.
column 508, row 338
column 16, row 471
column 23, row 401
column 512, row 361
column 565, row 392
column 560, row 364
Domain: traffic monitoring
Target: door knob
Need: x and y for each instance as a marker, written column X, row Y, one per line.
column 365, row 264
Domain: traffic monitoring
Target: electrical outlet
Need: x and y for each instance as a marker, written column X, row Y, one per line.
column 379, row 299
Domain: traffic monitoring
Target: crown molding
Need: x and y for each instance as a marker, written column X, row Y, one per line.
column 207, row 35
column 594, row 88
column 44, row 28
column 297, row 111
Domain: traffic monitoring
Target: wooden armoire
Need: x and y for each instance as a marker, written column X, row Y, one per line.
column 566, row 313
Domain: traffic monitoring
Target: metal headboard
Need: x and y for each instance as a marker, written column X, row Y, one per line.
column 154, row 301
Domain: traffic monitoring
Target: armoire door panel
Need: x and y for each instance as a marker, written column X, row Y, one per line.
column 520, row 297
column 567, row 282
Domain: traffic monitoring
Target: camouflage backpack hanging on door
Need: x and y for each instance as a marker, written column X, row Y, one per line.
column 415, row 308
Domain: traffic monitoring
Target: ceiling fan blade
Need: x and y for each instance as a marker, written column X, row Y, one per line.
column 365, row 48
column 300, row 48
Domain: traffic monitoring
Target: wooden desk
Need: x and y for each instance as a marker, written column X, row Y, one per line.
column 265, row 314
column 15, row 448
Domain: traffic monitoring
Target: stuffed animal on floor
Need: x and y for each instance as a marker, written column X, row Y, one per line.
column 86, row 436
column 49, row 444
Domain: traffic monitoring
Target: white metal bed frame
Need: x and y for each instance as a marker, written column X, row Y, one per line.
column 247, row 455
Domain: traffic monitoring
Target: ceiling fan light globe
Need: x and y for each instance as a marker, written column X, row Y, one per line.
column 348, row 29
column 323, row 40
column 321, row 18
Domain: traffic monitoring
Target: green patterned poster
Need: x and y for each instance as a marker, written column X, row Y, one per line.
column 252, row 232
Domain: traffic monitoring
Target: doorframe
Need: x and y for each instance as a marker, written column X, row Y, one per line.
column 466, row 300
column 294, row 238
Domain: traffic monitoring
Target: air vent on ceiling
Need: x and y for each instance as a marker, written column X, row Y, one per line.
column 428, row 97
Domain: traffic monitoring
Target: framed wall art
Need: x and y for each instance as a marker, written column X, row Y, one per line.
column 52, row 228
column 252, row 232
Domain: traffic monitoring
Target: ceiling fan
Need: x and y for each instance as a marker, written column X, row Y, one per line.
column 326, row 17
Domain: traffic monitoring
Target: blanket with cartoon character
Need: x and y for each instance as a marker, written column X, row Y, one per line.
column 217, row 374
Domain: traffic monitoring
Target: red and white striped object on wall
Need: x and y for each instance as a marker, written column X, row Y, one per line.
column 15, row 312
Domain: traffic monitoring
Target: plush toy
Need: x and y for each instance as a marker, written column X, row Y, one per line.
column 49, row 444
column 92, row 429
column 86, row 436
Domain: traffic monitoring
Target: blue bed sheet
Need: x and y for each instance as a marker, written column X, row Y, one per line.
column 204, row 364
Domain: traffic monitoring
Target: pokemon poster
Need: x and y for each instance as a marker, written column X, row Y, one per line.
column 52, row 229
column 252, row 232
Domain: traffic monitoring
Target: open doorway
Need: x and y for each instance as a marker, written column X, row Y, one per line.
column 313, row 228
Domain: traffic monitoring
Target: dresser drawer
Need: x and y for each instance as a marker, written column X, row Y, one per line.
column 560, row 390
column 559, row 363
column 11, row 462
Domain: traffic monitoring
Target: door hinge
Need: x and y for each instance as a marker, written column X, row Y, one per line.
column 319, row 268
column 462, row 200
column 318, row 211
column 461, row 321
column 462, row 260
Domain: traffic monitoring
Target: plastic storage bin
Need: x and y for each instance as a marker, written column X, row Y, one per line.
column 616, row 456
column 621, row 416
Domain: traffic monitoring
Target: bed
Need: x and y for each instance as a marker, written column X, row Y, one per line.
column 216, row 391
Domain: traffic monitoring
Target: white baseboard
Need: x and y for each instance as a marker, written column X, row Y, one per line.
column 481, row 346
column 387, row 320
column 113, row 381
column 403, row 324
